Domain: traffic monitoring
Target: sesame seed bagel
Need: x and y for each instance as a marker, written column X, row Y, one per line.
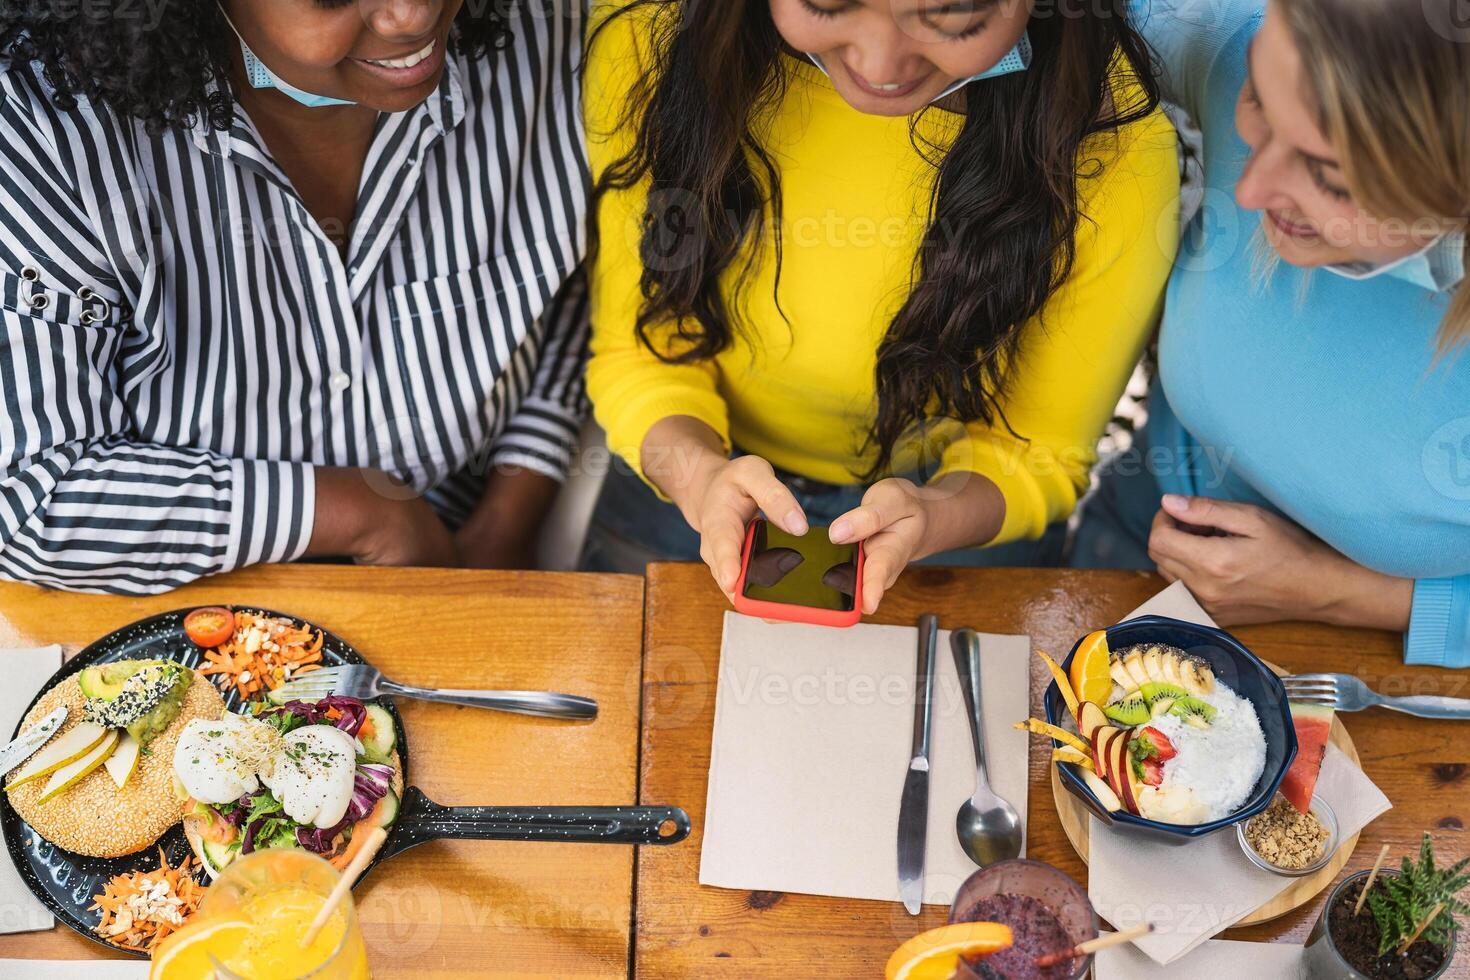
column 94, row 817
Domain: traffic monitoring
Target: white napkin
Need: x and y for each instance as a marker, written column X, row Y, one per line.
column 811, row 743
column 25, row 672
column 71, row 969
column 1216, row 958
column 1197, row 890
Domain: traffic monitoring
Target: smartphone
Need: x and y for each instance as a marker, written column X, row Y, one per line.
column 805, row 579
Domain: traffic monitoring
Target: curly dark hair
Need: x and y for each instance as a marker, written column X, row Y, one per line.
column 164, row 72
column 1006, row 192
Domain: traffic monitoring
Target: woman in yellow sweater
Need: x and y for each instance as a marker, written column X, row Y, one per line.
column 886, row 264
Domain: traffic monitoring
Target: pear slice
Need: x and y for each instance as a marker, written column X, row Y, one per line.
column 67, row 748
column 1102, row 791
column 72, row 773
column 124, row 761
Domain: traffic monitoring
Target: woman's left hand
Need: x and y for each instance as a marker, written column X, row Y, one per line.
column 1244, row 564
column 893, row 524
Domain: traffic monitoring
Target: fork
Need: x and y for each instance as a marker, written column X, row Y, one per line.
column 364, row 682
column 1347, row 693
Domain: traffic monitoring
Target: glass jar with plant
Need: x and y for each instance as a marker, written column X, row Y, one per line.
column 1398, row 924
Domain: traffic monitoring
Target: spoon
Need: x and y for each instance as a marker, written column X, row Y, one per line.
column 989, row 828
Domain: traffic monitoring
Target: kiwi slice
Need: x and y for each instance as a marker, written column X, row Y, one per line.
column 1161, row 696
column 1132, row 710
column 1194, row 711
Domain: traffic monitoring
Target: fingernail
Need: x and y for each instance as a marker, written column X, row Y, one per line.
column 839, row 532
column 787, row 562
column 1175, row 504
column 796, row 523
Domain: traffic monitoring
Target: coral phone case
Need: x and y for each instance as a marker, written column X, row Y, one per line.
column 789, row 612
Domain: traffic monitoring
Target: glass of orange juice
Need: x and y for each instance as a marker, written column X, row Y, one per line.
column 256, row 913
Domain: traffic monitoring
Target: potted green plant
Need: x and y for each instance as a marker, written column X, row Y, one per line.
column 1403, row 928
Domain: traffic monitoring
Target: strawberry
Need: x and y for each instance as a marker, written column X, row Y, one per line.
column 1154, row 744
column 1153, row 773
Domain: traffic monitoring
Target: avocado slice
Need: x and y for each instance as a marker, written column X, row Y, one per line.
column 143, row 696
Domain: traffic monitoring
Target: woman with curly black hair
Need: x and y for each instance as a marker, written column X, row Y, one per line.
column 283, row 279
column 901, row 254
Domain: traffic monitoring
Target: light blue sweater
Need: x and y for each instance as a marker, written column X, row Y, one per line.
column 1307, row 393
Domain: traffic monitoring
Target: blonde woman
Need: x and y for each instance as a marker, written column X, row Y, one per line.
column 1307, row 454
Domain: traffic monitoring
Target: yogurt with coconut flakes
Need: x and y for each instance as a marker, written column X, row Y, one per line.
column 1214, row 768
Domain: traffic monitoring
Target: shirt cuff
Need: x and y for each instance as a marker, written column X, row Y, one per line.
column 272, row 513
column 540, row 437
column 1439, row 624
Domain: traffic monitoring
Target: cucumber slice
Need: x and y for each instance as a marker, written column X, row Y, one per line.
column 219, row 855
column 379, row 747
column 389, row 811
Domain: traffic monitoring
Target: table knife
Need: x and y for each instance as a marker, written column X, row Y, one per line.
column 913, row 807
column 30, row 740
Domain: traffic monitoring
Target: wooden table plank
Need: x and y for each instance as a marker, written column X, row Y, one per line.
column 686, row 930
column 460, row 908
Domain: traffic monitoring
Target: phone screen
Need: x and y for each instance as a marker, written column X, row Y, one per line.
column 800, row 571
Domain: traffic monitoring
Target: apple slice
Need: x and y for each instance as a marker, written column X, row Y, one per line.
column 124, row 760
column 1100, row 789
column 70, row 774
column 1100, row 738
column 1090, row 718
column 68, row 747
column 1124, row 775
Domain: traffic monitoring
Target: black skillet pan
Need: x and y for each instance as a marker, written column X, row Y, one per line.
column 65, row 882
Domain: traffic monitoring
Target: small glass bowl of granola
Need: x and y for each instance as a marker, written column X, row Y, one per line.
column 1286, row 842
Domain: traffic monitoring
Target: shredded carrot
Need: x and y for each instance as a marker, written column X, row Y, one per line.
column 282, row 651
column 136, row 915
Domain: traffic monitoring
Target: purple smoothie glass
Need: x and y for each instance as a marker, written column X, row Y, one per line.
column 1063, row 898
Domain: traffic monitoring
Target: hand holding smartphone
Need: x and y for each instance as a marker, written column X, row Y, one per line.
column 805, row 579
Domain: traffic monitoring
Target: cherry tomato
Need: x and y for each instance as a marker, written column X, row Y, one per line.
column 210, row 626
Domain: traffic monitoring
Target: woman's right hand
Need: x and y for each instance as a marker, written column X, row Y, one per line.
column 375, row 519
column 718, row 495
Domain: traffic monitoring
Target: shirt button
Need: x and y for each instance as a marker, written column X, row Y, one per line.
column 339, row 381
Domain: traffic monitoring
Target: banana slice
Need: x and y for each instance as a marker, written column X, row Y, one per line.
column 1206, row 675
column 1153, row 663
column 1171, row 668
column 1133, row 662
column 1190, row 677
column 1120, row 673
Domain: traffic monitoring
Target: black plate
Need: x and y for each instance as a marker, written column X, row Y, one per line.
column 65, row 882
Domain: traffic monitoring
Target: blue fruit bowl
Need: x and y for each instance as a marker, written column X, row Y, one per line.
column 1234, row 665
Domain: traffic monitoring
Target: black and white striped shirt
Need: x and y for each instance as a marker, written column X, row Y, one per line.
column 180, row 343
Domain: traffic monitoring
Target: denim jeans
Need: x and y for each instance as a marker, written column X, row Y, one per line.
column 632, row 527
column 1114, row 520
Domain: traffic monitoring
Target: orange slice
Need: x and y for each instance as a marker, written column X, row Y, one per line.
column 935, row 955
column 1091, row 676
column 185, row 955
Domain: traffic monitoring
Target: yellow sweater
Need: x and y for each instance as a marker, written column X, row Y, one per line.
column 855, row 198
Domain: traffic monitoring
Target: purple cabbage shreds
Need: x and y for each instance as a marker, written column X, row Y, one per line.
column 235, row 817
column 354, row 712
column 320, row 840
column 247, row 843
column 370, row 785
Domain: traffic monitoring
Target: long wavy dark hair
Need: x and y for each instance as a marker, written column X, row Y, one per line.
column 1003, row 211
column 166, row 63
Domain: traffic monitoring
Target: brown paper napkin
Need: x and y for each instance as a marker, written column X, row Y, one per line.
column 25, row 672
column 1197, row 890
column 810, row 746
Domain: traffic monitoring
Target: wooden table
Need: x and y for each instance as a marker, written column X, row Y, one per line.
column 461, row 908
column 685, row 930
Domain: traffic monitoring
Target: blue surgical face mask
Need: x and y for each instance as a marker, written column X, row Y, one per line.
column 260, row 76
column 1016, row 59
column 1426, row 268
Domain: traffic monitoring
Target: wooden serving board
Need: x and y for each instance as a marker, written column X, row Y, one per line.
column 1074, row 819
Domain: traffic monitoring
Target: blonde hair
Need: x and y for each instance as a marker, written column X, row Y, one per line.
column 1391, row 83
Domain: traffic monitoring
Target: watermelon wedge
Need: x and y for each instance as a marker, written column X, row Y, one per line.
column 1313, row 724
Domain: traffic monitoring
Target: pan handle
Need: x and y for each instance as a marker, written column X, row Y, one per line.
column 420, row 819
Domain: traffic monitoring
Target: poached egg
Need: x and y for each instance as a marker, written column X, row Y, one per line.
column 220, row 761
column 314, row 775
